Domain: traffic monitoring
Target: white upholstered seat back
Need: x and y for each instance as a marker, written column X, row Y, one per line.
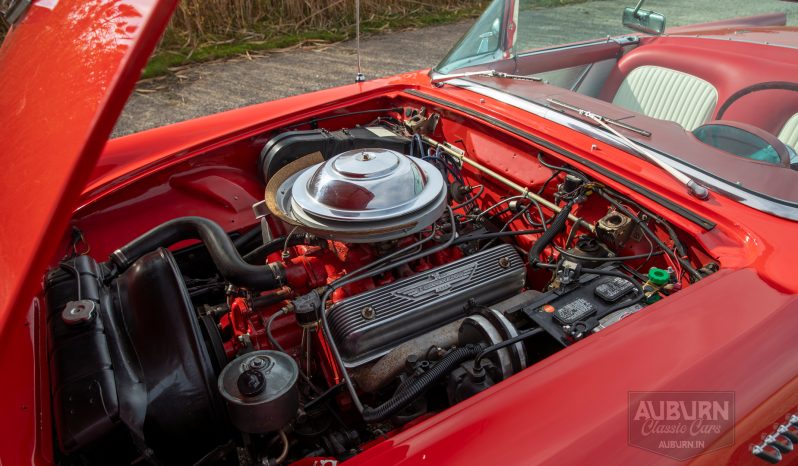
column 789, row 133
column 668, row 95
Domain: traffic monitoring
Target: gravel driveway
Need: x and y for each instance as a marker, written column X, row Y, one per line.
column 223, row 85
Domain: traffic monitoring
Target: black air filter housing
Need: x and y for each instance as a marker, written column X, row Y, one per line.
column 287, row 147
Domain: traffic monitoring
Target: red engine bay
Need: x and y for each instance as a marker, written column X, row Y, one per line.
column 328, row 332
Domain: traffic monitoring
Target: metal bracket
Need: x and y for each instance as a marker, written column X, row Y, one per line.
column 261, row 212
column 624, row 40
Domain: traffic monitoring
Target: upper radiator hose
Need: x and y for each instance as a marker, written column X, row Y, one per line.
column 220, row 247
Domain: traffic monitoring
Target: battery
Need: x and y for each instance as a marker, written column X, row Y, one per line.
column 583, row 303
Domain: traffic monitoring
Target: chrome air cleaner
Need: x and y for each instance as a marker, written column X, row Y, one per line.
column 362, row 195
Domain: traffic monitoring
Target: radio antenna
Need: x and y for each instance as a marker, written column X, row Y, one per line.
column 360, row 77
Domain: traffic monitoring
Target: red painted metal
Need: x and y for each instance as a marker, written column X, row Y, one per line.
column 67, row 70
column 307, row 268
column 571, row 408
column 331, row 369
column 733, row 331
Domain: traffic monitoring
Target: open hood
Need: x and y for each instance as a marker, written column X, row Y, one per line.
column 68, row 68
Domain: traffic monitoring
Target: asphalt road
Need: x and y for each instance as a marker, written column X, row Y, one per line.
column 215, row 87
column 224, row 85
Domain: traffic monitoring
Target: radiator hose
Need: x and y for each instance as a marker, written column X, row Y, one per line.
column 554, row 229
column 412, row 390
column 221, row 249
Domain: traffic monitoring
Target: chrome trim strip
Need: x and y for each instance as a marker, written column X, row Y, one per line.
column 734, row 39
column 622, row 41
column 773, row 206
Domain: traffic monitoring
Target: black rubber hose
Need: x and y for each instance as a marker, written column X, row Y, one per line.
column 417, row 387
column 247, row 237
column 570, row 171
column 498, row 234
column 554, row 229
column 263, row 301
column 221, row 249
column 259, row 254
column 609, row 259
column 283, row 311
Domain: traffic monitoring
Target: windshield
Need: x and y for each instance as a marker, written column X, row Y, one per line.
column 689, row 62
column 546, row 23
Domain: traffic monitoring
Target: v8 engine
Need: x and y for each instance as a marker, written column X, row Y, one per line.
column 386, row 276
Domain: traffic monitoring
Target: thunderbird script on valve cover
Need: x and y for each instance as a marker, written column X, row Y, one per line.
column 531, row 253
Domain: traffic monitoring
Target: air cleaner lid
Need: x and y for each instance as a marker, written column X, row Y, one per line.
column 367, row 185
column 359, row 196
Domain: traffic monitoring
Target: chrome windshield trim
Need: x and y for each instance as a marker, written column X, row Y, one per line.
column 621, row 41
column 767, row 204
column 734, row 39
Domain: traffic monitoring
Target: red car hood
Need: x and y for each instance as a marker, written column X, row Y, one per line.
column 68, row 68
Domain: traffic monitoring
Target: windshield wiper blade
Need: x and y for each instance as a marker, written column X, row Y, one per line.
column 692, row 187
column 439, row 80
column 593, row 116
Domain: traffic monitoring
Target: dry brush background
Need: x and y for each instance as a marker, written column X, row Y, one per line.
column 198, row 21
column 207, row 29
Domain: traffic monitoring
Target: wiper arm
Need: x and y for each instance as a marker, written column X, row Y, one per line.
column 439, row 80
column 593, row 117
column 692, row 187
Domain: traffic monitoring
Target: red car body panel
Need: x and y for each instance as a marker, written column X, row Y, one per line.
column 68, row 69
column 732, row 331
